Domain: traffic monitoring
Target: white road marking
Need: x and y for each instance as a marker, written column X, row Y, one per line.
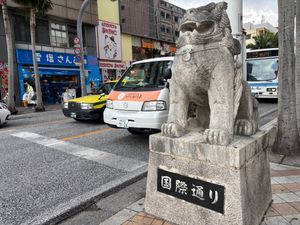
column 105, row 158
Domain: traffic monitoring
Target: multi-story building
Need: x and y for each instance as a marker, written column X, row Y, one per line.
column 55, row 32
column 252, row 30
column 153, row 25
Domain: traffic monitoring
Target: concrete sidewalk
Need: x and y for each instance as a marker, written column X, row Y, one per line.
column 30, row 109
column 284, row 210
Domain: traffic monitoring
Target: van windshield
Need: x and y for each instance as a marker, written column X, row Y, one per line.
column 143, row 76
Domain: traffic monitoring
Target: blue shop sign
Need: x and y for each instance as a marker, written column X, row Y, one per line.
column 52, row 58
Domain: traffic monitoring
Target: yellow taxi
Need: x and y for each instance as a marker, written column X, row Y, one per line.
column 89, row 107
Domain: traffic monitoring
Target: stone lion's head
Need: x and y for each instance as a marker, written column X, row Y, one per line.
column 204, row 24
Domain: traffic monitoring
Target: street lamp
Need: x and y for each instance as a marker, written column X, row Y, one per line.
column 79, row 34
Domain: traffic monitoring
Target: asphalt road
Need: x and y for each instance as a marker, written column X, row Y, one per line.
column 48, row 162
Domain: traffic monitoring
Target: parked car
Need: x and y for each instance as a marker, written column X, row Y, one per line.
column 4, row 113
column 89, row 107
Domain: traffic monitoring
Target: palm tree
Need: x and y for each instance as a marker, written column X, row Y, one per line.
column 10, row 58
column 36, row 7
column 265, row 39
column 287, row 142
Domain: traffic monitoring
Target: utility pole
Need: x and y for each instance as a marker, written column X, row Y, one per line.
column 235, row 13
column 79, row 34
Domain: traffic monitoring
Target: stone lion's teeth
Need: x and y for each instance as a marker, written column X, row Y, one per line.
column 197, row 24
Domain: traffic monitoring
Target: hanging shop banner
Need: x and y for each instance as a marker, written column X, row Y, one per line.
column 109, row 41
column 3, row 79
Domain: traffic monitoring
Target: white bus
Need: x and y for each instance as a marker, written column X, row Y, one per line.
column 262, row 72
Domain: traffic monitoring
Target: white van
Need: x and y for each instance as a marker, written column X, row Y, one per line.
column 139, row 101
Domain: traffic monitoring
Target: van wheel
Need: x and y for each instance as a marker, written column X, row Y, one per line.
column 135, row 131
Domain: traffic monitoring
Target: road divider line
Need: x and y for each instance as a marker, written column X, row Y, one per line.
column 87, row 134
column 105, row 158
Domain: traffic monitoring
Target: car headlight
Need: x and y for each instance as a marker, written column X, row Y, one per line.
column 154, row 106
column 109, row 104
column 66, row 105
column 86, row 106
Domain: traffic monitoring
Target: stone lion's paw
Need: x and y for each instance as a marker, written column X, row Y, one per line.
column 218, row 137
column 172, row 130
column 244, row 127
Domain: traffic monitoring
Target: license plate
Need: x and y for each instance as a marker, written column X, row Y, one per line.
column 73, row 115
column 122, row 124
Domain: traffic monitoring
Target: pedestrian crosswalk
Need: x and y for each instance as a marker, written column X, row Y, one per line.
column 105, row 158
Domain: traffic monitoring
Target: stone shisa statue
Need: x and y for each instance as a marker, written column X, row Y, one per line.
column 206, row 74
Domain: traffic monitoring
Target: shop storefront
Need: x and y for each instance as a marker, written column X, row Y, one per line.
column 3, row 80
column 57, row 71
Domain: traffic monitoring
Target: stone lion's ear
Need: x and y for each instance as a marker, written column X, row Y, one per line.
column 209, row 7
column 222, row 5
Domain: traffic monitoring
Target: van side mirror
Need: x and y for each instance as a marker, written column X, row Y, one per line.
column 167, row 73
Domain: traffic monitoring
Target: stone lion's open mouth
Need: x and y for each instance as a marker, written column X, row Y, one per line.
column 203, row 28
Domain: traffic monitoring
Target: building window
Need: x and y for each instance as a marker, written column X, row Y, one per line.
column 162, row 29
column 122, row 7
column 168, row 30
column 248, row 36
column 168, row 16
column 72, row 33
column 176, row 33
column 162, row 14
column 176, row 19
column 58, row 35
column 123, row 20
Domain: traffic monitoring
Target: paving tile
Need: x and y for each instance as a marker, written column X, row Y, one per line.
column 275, row 166
column 272, row 212
column 285, row 180
column 278, row 173
column 278, row 188
column 137, row 206
column 289, row 197
column 284, row 209
column 295, row 179
column 293, row 219
column 273, row 181
column 277, row 199
column 277, row 220
column 157, row 222
column 295, row 187
column 297, row 193
column 296, row 205
column 120, row 217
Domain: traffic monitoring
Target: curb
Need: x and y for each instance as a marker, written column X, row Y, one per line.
column 268, row 112
column 70, row 208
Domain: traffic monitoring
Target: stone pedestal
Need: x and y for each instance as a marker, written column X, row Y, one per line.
column 242, row 168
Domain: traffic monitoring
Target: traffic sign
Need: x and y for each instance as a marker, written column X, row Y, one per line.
column 78, row 59
column 77, row 51
column 76, row 40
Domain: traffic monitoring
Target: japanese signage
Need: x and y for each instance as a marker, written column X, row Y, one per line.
column 50, row 58
column 198, row 192
column 109, row 41
column 112, row 65
column 147, row 44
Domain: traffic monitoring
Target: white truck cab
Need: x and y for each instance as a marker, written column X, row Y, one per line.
column 139, row 101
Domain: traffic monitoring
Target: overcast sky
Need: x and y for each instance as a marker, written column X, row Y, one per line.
column 253, row 9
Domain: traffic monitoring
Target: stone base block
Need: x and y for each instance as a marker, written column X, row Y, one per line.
column 242, row 168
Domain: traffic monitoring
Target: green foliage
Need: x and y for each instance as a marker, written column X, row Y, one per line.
column 266, row 39
column 41, row 6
